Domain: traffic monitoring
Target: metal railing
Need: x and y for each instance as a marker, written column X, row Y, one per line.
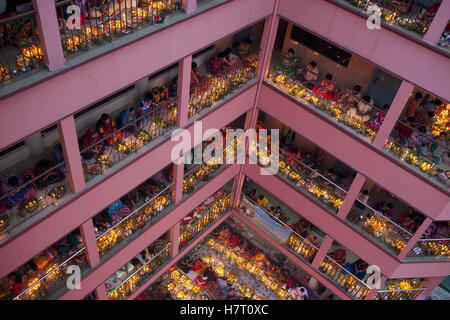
column 138, row 277
column 209, row 214
column 338, row 111
column 399, row 294
column 106, row 21
column 379, row 227
column 135, row 221
column 46, row 189
column 427, row 248
column 397, row 13
column 346, row 280
column 216, row 87
column 20, row 50
column 116, row 146
column 296, row 242
column 312, row 181
column 52, row 277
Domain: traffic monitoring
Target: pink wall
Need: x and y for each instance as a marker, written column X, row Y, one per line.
column 395, row 53
column 374, row 164
column 338, row 230
column 105, row 270
column 90, row 202
column 44, row 104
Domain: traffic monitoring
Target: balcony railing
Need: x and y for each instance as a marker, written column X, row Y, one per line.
column 20, row 51
column 277, row 229
column 431, row 248
column 216, row 88
column 51, row 281
column 379, row 228
column 344, row 114
column 28, row 199
column 398, row 294
column 346, row 280
column 312, row 182
column 131, row 283
column 118, row 145
column 398, row 14
column 136, row 222
column 107, row 21
column 423, row 152
column 209, row 214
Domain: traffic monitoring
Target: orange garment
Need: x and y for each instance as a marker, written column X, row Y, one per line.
column 412, row 107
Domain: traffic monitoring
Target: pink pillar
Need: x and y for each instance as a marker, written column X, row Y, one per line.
column 175, row 239
column 69, row 143
column 190, row 6
column 323, row 250
column 438, row 24
column 184, row 85
column 88, row 234
column 178, row 173
column 351, row 196
column 49, row 36
column 416, row 237
column 394, row 113
column 100, row 291
column 267, row 42
column 431, row 285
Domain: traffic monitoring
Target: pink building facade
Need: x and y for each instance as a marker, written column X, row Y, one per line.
column 70, row 83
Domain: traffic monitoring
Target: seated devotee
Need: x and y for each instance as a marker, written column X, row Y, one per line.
column 106, row 126
column 350, row 98
column 9, row 183
column 230, row 58
column 435, row 149
column 413, row 104
column 386, row 208
column 263, row 201
column 90, row 138
column 375, row 124
column 327, row 89
column 131, row 198
column 419, row 139
column 146, row 105
column 402, row 131
column 127, row 117
column 289, row 64
column 50, row 177
column 308, row 75
column 216, row 64
column 362, row 112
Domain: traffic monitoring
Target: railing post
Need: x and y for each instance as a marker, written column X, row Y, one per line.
column 49, row 37
column 175, row 239
column 183, row 90
column 416, row 237
column 100, row 291
column 190, row 6
column 438, row 24
column 69, row 144
column 88, row 234
column 323, row 250
column 351, row 196
column 396, row 109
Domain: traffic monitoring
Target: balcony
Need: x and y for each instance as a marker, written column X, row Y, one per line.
column 401, row 289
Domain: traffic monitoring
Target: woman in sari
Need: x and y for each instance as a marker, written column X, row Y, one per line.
column 90, row 138
column 327, row 88
column 105, row 127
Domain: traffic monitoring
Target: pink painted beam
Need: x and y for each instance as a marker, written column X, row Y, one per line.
column 351, row 196
column 439, row 23
column 394, row 176
column 390, row 51
column 180, row 255
column 89, row 238
column 49, row 37
column 323, row 251
column 175, row 239
column 61, row 96
column 294, row 258
column 105, row 270
column 416, row 236
column 336, row 228
column 71, row 151
column 190, row 6
column 183, row 90
column 92, row 201
column 100, row 291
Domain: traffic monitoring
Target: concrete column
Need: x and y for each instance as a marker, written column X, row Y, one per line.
column 183, row 91
column 416, row 237
column 178, row 176
column 323, row 250
column 431, row 285
column 287, row 39
column 88, row 234
column 190, row 6
column 49, row 36
column 100, row 291
column 267, row 42
column 438, row 24
column 396, row 109
column 35, row 144
column 175, row 239
column 69, row 142
column 351, row 196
